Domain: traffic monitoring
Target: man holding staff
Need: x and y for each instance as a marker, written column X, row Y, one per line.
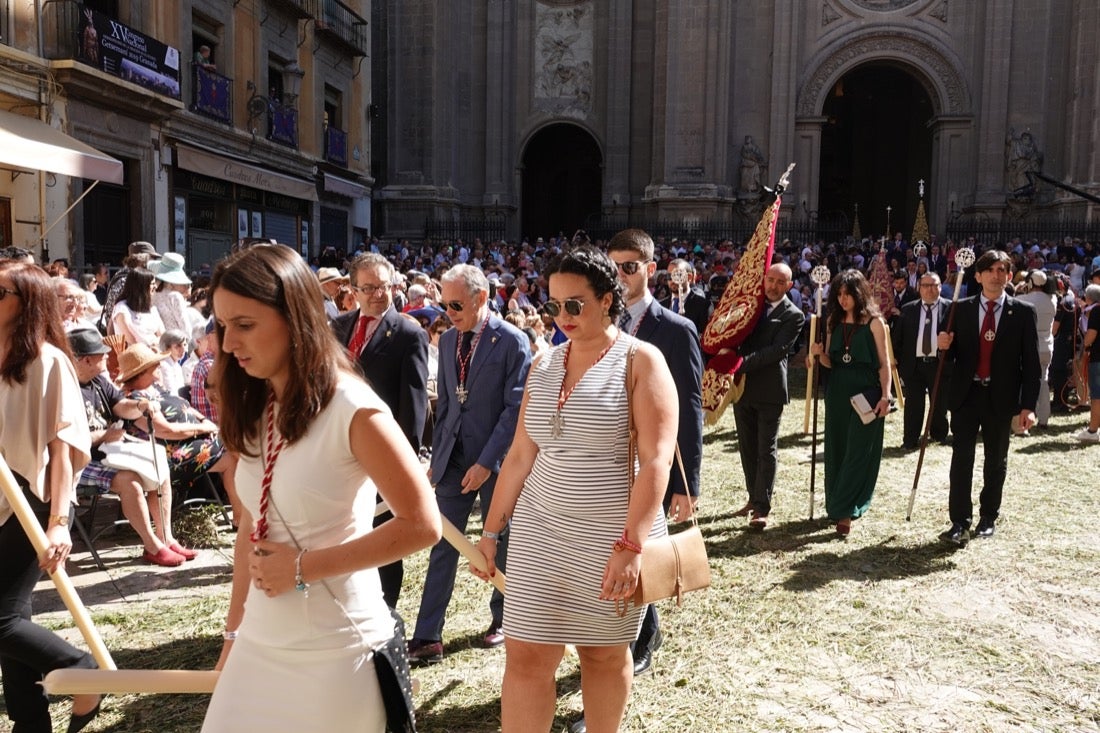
column 915, row 336
column 995, row 377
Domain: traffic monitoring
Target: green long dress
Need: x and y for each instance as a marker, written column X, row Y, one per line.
column 853, row 450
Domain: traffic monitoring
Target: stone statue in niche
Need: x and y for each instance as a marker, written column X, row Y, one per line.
column 752, row 170
column 1022, row 156
column 563, row 58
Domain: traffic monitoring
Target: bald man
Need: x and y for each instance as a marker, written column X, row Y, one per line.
column 758, row 411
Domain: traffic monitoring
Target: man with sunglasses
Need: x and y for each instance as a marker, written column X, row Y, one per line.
column 483, row 363
column 678, row 341
column 392, row 353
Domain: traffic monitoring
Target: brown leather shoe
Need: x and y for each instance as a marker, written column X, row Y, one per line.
column 758, row 521
column 744, row 511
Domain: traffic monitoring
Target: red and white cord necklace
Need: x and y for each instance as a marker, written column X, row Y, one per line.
column 272, row 449
column 557, row 422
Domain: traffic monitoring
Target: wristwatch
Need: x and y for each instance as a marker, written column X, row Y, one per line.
column 60, row 519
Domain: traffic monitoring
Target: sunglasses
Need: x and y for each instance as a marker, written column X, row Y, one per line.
column 4, row 292
column 571, row 306
column 454, row 305
column 631, row 268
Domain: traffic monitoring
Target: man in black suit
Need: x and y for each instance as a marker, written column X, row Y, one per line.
column 996, row 377
column 902, row 292
column 392, row 353
column 685, row 298
column 915, row 336
column 678, row 341
column 760, row 406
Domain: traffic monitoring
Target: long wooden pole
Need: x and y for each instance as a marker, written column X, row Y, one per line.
column 130, row 681
column 60, row 578
column 963, row 259
column 810, row 378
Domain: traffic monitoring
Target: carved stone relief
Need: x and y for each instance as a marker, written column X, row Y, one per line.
column 828, row 14
column 883, row 5
column 940, row 13
column 563, row 57
column 949, row 97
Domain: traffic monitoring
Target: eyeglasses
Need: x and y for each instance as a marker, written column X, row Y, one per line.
column 630, row 268
column 368, row 290
column 572, row 306
column 454, row 305
column 4, row 292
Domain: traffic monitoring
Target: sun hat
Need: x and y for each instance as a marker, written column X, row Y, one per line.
column 136, row 359
column 143, row 248
column 170, row 269
column 87, row 342
column 328, row 274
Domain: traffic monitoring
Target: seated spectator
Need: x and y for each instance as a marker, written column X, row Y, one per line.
column 134, row 315
column 173, row 288
column 104, row 403
column 200, row 399
column 72, row 302
column 189, row 438
column 170, row 372
column 92, row 306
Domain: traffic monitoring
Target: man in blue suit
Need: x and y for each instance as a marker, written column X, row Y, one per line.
column 483, row 363
column 678, row 341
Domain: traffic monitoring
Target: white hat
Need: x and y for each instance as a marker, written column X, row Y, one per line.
column 328, row 274
column 170, row 269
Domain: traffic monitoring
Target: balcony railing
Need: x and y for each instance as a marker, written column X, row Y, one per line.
column 212, row 94
column 282, row 124
column 336, row 146
column 298, row 8
column 341, row 24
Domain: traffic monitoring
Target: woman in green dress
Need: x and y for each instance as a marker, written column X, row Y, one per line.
column 855, row 352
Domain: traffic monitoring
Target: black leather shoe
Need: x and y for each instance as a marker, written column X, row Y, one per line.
column 984, row 529
column 958, row 535
column 644, row 657
column 78, row 723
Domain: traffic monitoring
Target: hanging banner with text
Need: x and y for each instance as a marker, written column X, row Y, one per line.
column 119, row 50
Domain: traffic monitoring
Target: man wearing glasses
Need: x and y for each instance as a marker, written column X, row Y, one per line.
column 483, row 363
column 392, row 353
column 915, row 334
column 677, row 339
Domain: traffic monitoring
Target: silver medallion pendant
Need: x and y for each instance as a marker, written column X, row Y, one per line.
column 989, row 335
column 847, row 358
column 557, row 425
column 461, row 393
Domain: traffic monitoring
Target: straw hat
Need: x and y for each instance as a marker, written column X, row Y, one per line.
column 170, row 269
column 328, row 274
column 136, row 359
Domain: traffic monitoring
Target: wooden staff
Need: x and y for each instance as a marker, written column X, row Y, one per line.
column 894, row 370
column 810, row 378
column 819, row 275
column 465, row 548
column 130, row 681
column 964, row 258
column 60, row 579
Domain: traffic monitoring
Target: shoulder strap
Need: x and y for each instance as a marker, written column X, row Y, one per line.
column 632, row 430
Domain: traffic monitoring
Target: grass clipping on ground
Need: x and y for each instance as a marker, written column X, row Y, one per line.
column 888, row 630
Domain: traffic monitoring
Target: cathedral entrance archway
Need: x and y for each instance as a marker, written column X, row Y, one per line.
column 562, row 181
column 875, row 146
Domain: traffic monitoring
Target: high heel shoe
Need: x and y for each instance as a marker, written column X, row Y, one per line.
column 78, row 723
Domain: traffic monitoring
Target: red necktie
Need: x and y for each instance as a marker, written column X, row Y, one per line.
column 359, row 338
column 986, row 337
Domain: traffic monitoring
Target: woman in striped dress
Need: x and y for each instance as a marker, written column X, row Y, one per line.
column 577, row 531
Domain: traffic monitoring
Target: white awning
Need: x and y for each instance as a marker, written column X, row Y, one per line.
column 30, row 144
column 344, row 187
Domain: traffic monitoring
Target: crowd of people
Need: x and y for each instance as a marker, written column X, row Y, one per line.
column 500, row 376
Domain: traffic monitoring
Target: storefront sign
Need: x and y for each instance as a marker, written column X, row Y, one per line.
column 121, row 51
column 248, row 175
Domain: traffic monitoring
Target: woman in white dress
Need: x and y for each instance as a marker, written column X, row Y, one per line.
column 134, row 315
column 316, row 444
column 577, row 532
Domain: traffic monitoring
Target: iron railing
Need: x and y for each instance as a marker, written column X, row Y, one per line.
column 489, row 228
column 341, row 24
column 989, row 232
column 282, row 124
column 336, row 146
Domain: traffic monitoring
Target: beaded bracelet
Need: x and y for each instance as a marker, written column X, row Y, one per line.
column 300, row 583
column 625, row 544
column 490, row 535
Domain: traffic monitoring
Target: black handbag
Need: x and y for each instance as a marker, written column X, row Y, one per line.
column 391, row 663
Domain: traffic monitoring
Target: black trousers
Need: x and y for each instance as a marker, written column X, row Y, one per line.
column 758, row 443
column 27, row 651
column 918, row 385
column 978, row 412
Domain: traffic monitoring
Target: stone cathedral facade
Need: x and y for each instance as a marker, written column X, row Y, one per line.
column 548, row 114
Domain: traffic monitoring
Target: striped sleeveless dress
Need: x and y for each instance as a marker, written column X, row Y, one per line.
column 572, row 508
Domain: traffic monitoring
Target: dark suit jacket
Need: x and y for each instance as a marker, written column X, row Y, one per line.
column 696, row 308
column 677, row 339
column 395, row 363
column 486, row 423
column 906, row 329
column 764, row 355
column 1014, row 374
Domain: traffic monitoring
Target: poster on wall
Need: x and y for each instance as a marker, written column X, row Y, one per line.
column 242, row 223
column 117, row 49
column 257, row 224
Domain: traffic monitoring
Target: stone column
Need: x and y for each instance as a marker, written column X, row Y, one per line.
column 619, row 106
column 951, row 178
column 995, row 83
column 806, row 177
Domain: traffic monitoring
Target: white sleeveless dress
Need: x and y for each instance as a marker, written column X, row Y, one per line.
column 300, row 661
column 572, row 508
